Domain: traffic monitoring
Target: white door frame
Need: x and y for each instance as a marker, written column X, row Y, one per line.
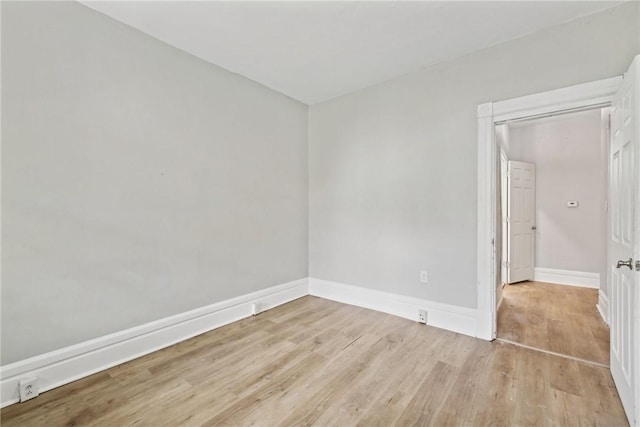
column 597, row 93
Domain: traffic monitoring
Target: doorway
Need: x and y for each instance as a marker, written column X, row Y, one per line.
column 622, row 93
column 553, row 215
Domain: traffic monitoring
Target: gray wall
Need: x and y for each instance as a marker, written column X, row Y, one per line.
column 137, row 181
column 393, row 167
column 571, row 164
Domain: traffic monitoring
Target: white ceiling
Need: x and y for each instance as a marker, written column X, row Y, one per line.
column 314, row 51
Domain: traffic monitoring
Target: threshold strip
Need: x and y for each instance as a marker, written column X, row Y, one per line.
column 553, row 353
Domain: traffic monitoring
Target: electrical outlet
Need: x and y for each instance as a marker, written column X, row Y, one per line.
column 424, row 276
column 422, row 316
column 28, row 388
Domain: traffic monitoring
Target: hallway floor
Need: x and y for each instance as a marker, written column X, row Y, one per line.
column 556, row 318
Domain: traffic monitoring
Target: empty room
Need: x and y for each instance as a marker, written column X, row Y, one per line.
column 329, row 213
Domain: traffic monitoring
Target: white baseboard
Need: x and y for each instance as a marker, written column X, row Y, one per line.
column 453, row 318
column 567, row 277
column 603, row 306
column 71, row 363
column 74, row 362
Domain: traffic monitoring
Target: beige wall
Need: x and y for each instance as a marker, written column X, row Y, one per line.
column 393, row 167
column 137, row 181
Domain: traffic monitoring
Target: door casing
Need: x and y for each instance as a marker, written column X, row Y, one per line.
column 574, row 98
column 597, row 94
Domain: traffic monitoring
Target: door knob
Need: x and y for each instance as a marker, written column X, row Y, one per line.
column 625, row 264
column 533, row 227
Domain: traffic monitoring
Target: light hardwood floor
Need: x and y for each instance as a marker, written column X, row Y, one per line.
column 317, row 362
column 557, row 318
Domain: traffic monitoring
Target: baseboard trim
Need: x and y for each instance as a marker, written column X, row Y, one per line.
column 71, row 363
column 453, row 318
column 567, row 277
column 603, row 306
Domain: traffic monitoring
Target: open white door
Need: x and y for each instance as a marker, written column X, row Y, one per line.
column 520, row 221
column 504, row 214
column 624, row 240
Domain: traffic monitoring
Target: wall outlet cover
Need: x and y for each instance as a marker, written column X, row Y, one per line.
column 424, row 276
column 28, row 388
column 422, row 316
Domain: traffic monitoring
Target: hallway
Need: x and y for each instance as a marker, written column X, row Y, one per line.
column 554, row 318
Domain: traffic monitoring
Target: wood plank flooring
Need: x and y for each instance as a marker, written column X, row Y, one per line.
column 318, row 362
column 557, row 318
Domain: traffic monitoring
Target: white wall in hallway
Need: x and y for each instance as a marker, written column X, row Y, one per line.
column 571, row 165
